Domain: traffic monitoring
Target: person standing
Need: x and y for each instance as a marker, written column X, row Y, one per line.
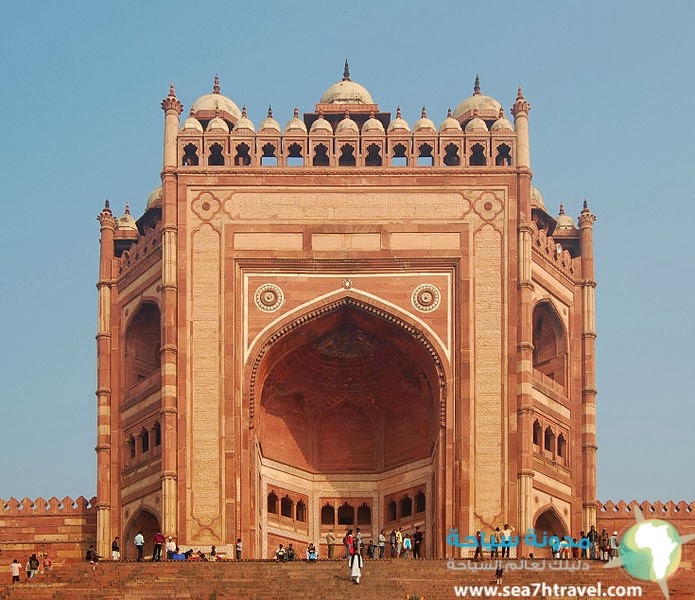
column 46, row 563
column 140, row 544
column 330, row 541
column 407, row 545
column 478, row 546
column 593, row 542
column 507, row 531
column 158, row 543
column 382, row 543
column 116, row 549
column 356, row 563
column 399, row 542
column 417, row 543
column 15, row 569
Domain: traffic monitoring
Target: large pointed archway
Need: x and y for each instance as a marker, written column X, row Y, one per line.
column 347, row 426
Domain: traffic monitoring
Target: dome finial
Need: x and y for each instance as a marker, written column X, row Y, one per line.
column 476, row 86
column 398, row 112
column 424, row 113
column 216, row 85
column 448, row 113
column 270, row 111
column 296, row 112
column 243, row 111
column 562, row 209
column 346, row 71
column 127, row 208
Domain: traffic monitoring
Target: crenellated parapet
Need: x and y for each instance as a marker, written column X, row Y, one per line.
column 552, row 251
column 619, row 516
column 52, row 506
column 139, row 251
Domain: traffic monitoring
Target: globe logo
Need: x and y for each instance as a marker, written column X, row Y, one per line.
column 651, row 550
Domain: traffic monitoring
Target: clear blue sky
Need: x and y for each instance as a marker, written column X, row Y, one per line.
column 611, row 86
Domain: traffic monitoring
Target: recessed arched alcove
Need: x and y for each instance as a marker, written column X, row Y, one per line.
column 347, row 405
column 348, row 392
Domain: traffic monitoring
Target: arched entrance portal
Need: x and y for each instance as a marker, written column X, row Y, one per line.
column 549, row 523
column 347, row 429
column 143, row 521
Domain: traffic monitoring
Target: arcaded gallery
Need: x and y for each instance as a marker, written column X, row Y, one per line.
column 348, row 321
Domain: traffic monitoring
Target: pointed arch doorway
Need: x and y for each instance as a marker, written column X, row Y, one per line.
column 346, row 429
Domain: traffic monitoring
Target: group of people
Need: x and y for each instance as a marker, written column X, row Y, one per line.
column 162, row 544
column 601, row 546
column 285, row 554
column 32, row 567
column 400, row 545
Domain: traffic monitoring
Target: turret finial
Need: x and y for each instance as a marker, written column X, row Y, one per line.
column 107, row 204
column 586, row 205
column 520, row 94
column 346, row 71
column 172, row 93
column 216, row 85
column 476, row 86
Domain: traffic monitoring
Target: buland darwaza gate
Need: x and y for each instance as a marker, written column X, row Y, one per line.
column 345, row 322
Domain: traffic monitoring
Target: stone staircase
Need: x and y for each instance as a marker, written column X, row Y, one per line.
column 323, row 580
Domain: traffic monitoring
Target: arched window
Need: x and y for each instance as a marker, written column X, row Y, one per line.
column 400, row 158
column 131, row 446
column 548, row 343
column 301, row 511
column 419, row 502
column 327, row 515
column 425, row 158
column 294, row 155
column 561, row 446
column 373, row 158
column 346, row 515
column 406, row 506
column 144, row 440
column 347, row 156
column 216, row 159
column 287, row 507
column 273, row 503
column 190, row 155
column 477, row 156
column 537, row 433
column 157, row 434
column 242, row 158
column 504, row 157
column 549, row 443
column 268, row 158
column 391, row 510
column 452, row 158
column 143, row 343
column 320, row 156
column 364, row 515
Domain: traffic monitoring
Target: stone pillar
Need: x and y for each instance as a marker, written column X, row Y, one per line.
column 589, row 446
column 525, row 348
column 169, row 352
column 520, row 111
column 104, row 387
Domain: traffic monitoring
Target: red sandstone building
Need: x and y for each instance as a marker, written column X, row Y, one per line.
column 345, row 322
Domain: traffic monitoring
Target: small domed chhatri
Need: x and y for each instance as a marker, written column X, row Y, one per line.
column 347, row 125
column 321, row 126
column 423, row 123
column 477, row 105
column 217, row 124
column 155, row 198
column 191, row 123
column 269, row 123
column 346, row 91
column 206, row 106
column 399, row 124
column 244, row 124
column 373, row 126
column 450, row 125
column 564, row 221
column 295, row 124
